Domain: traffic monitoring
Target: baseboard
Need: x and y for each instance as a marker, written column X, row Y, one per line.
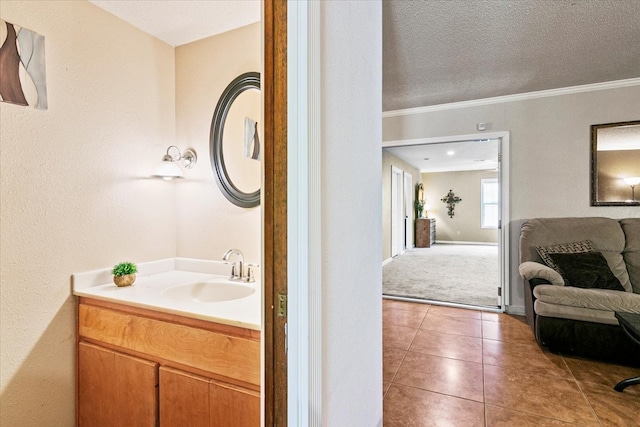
column 386, row 261
column 518, row 310
column 450, row 242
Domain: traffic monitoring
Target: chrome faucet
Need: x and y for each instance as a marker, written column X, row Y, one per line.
column 238, row 268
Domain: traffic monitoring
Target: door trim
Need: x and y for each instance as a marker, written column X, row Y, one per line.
column 409, row 220
column 305, row 218
column 503, row 177
column 397, row 211
column 274, row 204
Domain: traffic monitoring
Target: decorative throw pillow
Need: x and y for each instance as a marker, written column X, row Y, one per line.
column 563, row 248
column 586, row 270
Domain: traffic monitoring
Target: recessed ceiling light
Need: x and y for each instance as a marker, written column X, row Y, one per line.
column 450, row 153
column 479, row 160
column 426, row 158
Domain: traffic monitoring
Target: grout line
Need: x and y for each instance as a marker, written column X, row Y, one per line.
column 593, row 411
column 438, row 392
column 401, row 362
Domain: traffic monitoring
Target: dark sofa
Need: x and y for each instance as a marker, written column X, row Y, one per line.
column 571, row 319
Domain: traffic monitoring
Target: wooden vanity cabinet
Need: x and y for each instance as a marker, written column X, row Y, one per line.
column 115, row 389
column 138, row 367
column 194, row 401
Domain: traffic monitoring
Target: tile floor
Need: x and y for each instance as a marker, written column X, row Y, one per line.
column 453, row 367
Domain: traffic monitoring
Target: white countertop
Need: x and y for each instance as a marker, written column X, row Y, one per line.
column 154, row 277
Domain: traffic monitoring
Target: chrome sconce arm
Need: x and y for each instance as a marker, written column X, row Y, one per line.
column 168, row 169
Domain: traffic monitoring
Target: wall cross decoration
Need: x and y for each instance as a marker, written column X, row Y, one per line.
column 451, row 199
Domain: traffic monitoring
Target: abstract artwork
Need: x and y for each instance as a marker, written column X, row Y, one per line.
column 22, row 67
column 251, row 139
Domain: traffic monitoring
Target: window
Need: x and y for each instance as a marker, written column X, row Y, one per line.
column 489, row 197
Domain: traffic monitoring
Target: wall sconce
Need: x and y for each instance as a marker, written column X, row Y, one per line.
column 632, row 181
column 168, row 169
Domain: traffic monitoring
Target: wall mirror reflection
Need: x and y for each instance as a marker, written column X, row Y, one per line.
column 615, row 164
column 235, row 141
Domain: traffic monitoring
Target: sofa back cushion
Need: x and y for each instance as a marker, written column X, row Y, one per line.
column 605, row 234
column 631, row 254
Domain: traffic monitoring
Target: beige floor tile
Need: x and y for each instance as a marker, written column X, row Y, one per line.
column 524, row 357
column 392, row 357
column 611, row 407
column 603, row 373
column 442, row 375
column 448, row 345
column 502, row 417
column 452, row 325
column 396, row 316
column 538, row 395
column 459, row 358
column 406, row 406
column 456, row 312
column 508, row 329
column 491, row 317
column 404, row 305
column 385, row 387
column 397, row 336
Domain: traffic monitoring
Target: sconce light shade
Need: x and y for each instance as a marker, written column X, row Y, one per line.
column 168, row 169
column 632, row 180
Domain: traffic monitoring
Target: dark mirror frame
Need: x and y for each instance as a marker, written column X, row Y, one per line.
column 240, row 84
column 594, row 165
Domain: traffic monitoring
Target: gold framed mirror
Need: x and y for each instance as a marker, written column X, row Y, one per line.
column 615, row 164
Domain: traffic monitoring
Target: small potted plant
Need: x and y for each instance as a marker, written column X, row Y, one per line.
column 124, row 274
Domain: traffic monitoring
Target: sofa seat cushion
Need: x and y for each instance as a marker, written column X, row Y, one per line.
column 595, row 299
column 575, row 313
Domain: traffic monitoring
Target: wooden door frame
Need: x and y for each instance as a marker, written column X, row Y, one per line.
column 275, row 210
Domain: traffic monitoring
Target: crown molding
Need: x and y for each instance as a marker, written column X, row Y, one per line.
column 517, row 97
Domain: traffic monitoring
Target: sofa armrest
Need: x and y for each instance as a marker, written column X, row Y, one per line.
column 530, row 270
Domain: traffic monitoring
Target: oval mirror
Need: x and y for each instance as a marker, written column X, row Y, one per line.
column 235, row 145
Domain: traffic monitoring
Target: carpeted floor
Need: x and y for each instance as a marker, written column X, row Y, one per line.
column 465, row 274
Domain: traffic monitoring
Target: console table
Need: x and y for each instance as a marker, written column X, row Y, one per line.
column 630, row 324
column 425, row 232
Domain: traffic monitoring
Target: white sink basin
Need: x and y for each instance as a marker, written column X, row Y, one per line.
column 211, row 291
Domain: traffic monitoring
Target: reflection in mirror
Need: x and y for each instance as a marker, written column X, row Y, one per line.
column 615, row 164
column 235, row 142
column 238, row 145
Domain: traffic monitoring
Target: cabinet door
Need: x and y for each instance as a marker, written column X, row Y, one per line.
column 233, row 406
column 184, row 399
column 115, row 389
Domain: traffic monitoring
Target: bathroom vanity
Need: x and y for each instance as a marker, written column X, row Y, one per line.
column 157, row 355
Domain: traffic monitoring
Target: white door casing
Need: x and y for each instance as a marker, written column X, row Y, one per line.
column 408, row 210
column 503, row 182
column 397, row 210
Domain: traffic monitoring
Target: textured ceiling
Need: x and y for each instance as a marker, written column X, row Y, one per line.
column 437, row 52
column 177, row 22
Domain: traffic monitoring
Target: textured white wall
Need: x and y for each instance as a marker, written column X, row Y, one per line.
column 549, row 151
column 74, row 190
column 351, row 70
column 208, row 224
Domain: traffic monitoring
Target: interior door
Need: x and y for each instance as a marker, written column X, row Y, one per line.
column 408, row 211
column 397, row 209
